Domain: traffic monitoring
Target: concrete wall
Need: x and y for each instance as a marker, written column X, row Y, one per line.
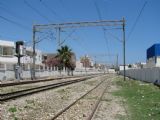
column 146, row 74
column 10, row 75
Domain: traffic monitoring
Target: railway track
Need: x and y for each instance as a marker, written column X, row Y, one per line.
column 21, row 93
column 76, row 101
column 35, row 81
column 30, row 81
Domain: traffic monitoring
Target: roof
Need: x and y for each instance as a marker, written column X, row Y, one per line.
column 6, row 43
column 153, row 51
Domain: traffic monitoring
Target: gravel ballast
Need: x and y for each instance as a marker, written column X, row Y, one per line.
column 44, row 105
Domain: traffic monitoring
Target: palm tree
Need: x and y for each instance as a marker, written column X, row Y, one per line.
column 64, row 54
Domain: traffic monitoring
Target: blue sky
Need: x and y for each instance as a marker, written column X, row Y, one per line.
column 88, row 40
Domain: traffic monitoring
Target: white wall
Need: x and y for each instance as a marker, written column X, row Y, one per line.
column 12, row 60
column 158, row 62
column 10, row 75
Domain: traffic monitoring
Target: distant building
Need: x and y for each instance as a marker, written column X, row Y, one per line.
column 86, row 62
column 79, row 65
column 138, row 65
column 153, row 56
column 50, row 60
column 121, row 67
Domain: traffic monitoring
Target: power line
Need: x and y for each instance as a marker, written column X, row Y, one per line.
column 51, row 10
column 10, row 12
column 100, row 18
column 97, row 9
column 55, row 14
column 15, row 23
column 65, row 8
column 37, row 11
column 115, row 37
column 69, row 35
column 80, row 44
column 136, row 21
column 45, row 35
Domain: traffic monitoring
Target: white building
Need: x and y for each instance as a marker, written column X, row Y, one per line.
column 121, row 67
column 6, row 52
column 8, row 58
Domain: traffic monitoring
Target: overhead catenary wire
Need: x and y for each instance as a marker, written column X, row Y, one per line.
column 7, row 11
column 100, row 18
column 15, row 23
column 103, row 28
column 49, row 35
column 68, row 12
column 51, row 10
column 65, row 8
column 68, row 36
column 80, row 44
column 136, row 21
column 43, row 16
column 55, row 14
column 113, row 36
column 37, row 11
column 13, row 14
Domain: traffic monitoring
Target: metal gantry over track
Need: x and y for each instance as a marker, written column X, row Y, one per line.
column 117, row 24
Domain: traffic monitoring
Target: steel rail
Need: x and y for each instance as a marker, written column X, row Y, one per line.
column 69, row 106
column 23, row 90
column 29, row 81
column 97, row 104
column 18, row 94
column 35, row 81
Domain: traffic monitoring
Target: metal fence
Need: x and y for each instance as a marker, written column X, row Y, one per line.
column 146, row 74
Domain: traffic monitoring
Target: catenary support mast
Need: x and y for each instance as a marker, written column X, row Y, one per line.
column 58, row 27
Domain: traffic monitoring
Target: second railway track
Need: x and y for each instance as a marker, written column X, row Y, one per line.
column 21, row 93
column 23, row 82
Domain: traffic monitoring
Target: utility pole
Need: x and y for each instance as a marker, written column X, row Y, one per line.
column 85, row 64
column 117, row 61
column 58, row 36
column 34, row 54
column 124, row 50
column 95, row 62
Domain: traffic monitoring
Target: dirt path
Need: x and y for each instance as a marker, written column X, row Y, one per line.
column 111, row 107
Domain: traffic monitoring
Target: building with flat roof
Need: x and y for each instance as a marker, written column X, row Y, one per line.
column 8, row 58
column 153, row 56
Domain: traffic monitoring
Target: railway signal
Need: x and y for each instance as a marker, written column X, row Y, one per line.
column 19, row 53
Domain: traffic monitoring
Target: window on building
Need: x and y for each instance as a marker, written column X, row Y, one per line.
column 6, row 51
column 1, row 51
column 29, row 53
